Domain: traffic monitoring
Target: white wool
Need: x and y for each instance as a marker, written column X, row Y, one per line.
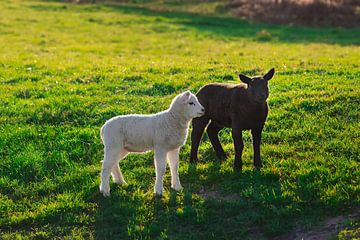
column 164, row 132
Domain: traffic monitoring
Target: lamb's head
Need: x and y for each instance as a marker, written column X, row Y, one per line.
column 187, row 105
column 258, row 89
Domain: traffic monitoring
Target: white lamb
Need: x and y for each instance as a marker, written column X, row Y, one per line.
column 164, row 132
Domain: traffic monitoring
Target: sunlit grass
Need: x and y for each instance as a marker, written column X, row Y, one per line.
column 65, row 69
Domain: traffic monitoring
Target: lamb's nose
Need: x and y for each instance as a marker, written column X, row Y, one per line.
column 203, row 109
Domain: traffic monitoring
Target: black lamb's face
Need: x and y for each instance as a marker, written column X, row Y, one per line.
column 259, row 89
column 258, row 86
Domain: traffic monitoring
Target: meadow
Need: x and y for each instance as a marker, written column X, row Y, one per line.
column 65, row 69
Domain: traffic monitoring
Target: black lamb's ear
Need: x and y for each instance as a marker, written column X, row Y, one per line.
column 269, row 75
column 244, row 78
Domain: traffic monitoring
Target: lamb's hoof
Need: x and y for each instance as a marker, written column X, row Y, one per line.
column 237, row 168
column 257, row 168
column 222, row 157
column 177, row 188
column 106, row 194
column 193, row 160
column 105, row 191
column 120, row 182
column 158, row 194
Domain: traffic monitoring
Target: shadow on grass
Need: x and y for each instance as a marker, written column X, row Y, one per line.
column 113, row 215
column 227, row 27
column 256, row 207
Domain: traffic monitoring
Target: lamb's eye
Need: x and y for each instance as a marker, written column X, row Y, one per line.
column 191, row 103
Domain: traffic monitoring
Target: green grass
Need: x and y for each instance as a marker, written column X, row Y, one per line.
column 65, row 69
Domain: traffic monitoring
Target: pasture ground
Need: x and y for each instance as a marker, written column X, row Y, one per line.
column 65, row 69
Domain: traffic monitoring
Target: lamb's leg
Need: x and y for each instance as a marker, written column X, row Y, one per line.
column 212, row 131
column 256, row 136
column 173, row 157
column 199, row 125
column 160, row 166
column 111, row 155
column 239, row 146
column 116, row 172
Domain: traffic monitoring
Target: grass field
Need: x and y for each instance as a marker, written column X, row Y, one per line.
column 65, row 69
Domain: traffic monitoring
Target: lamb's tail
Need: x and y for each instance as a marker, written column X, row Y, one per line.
column 102, row 137
column 102, row 133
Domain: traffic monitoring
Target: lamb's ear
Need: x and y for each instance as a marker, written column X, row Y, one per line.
column 185, row 96
column 244, row 78
column 269, row 75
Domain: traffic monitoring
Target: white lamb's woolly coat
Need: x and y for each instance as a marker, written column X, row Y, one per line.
column 164, row 132
column 140, row 133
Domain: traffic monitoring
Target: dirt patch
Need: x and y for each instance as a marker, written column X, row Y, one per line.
column 339, row 13
column 329, row 229
column 216, row 195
